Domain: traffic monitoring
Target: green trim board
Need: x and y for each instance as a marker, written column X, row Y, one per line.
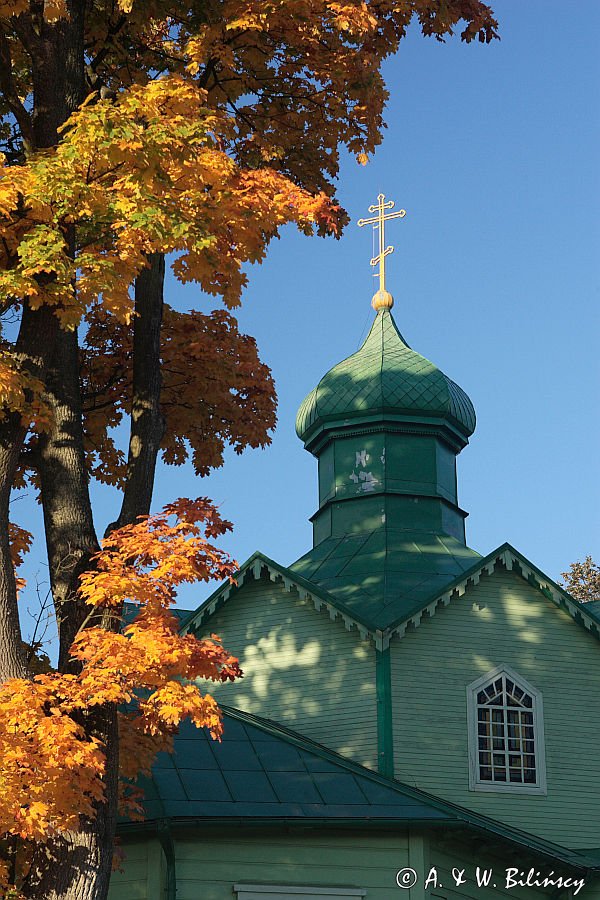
column 264, row 775
column 385, row 737
column 377, row 628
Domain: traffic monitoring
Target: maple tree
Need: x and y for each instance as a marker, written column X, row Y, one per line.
column 583, row 580
column 130, row 131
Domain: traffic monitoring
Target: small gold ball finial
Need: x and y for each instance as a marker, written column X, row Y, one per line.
column 382, row 300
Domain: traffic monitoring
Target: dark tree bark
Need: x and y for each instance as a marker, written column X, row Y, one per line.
column 77, row 865
column 147, row 422
column 69, row 526
column 38, row 332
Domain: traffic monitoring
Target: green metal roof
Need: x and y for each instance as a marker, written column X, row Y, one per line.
column 262, row 770
column 387, row 575
column 385, row 376
column 592, row 608
column 262, row 773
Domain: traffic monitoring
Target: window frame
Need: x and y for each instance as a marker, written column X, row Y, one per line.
column 500, row 787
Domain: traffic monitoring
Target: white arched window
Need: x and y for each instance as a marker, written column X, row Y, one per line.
column 506, row 734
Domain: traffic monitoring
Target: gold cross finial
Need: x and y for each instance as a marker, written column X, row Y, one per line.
column 382, row 299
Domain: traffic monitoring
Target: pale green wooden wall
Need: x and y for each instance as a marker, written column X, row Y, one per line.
column 502, row 620
column 208, row 865
column 300, row 668
column 141, row 875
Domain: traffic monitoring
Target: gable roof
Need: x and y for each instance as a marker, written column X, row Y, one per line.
column 381, row 630
column 507, row 556
column 253, row 567
column 262, row 773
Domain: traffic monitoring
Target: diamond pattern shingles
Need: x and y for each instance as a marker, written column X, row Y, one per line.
column 385, row 375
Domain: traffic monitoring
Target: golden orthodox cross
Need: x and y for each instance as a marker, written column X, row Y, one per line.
column 379, row 221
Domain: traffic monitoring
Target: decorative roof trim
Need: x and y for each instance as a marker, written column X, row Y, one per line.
column 391, row 422
column 254, row 567
column 322, row 599
column 512, row 560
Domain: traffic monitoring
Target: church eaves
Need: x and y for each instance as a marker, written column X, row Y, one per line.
column 368, row 622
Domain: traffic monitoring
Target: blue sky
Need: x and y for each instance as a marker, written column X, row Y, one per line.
column 492, row 150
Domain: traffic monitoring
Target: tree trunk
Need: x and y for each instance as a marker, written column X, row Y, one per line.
column 77, row 865
column 37, row 335
column 147, row 423
column 70, row 535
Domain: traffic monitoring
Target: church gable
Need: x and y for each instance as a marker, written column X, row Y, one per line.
column 302, row 666
column 502, row 627
column 584, row 614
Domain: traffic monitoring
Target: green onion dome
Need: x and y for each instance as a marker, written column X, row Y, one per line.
column 385, row 380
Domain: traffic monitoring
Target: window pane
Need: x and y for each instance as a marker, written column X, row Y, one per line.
column 505, row 729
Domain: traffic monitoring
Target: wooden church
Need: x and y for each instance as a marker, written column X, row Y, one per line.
column 415, row 720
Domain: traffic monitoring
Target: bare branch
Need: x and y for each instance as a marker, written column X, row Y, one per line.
column 9, row 91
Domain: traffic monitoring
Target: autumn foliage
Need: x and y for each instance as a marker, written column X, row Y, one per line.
column 51, row 769
column 583, row 580
column 131, row 132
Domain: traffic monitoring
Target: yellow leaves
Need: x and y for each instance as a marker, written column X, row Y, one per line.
column 54, row 10
column 10, row 8
column 21, row 392
column 355, row 18
column 147, row 173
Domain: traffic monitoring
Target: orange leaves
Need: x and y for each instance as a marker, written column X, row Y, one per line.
column 225, row 126
column 215, row 390
column 50, row 771
column 144, row 563
column 51, row 766
column 20, row 543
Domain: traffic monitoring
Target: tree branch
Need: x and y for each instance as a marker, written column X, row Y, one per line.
column 147, row 423
column 9, row 91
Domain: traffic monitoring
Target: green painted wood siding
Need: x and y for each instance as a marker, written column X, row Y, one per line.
column 300, row 668
column 208, row 864
column 141, row 874
column 208, row 868
column 502, row 620
column 496, row 863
